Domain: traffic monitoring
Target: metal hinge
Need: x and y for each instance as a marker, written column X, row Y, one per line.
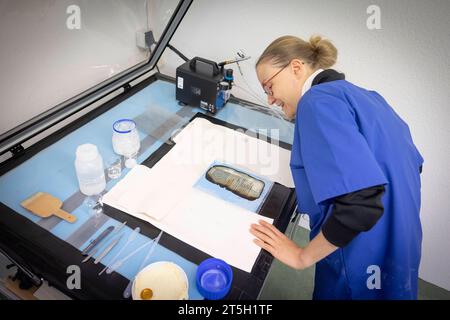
column 17, row 150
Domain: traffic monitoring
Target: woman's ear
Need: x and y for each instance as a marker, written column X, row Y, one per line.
column 298, row 67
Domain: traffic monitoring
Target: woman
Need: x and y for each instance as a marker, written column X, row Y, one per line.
column 357, row 176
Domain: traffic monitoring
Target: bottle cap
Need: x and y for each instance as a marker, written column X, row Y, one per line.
column 87, row 152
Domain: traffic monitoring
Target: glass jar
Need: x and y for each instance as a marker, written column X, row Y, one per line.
column 125, row 140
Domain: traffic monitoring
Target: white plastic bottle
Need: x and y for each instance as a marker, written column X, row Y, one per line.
column 90, row 171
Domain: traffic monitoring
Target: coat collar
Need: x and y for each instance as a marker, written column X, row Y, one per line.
column 328, row 76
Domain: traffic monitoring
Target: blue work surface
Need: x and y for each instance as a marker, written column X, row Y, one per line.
column 52, row 170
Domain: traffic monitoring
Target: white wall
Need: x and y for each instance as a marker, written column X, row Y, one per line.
column 407, row 61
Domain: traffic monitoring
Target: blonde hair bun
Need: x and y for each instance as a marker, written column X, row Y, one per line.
column 325, row 53
column 314, row 42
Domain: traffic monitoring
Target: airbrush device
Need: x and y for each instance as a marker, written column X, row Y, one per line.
column 204, row 83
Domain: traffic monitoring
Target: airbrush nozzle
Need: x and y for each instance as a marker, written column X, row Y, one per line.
column 233, row 61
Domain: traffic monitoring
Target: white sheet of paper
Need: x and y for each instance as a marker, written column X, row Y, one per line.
column 204, row 142
column 165, row 197
column 207, row 223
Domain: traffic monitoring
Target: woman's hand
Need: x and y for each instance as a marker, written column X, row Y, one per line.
column 281, row 247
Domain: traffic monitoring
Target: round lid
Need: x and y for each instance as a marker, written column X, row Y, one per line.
column 87, row 152
column 214, row 278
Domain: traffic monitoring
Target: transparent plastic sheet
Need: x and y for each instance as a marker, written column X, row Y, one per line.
column 158, row 123
column 54, row 50
column 276, row 115
column 274, row 111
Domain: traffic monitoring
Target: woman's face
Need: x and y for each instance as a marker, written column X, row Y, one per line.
column 282, row 84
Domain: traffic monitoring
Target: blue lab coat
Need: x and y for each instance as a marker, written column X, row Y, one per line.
column 347, row 139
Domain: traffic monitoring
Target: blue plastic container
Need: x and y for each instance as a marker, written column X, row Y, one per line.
column 214, row 278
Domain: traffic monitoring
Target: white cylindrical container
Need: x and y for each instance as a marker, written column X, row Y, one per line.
column 89, row 169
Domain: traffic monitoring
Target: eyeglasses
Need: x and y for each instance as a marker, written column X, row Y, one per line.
column 266, row 88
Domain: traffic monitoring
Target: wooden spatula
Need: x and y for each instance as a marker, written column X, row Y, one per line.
column 45, row 205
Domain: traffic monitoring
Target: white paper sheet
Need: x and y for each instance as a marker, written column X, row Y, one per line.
column 165, row 197
column 204, row 142
column 213, row 226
